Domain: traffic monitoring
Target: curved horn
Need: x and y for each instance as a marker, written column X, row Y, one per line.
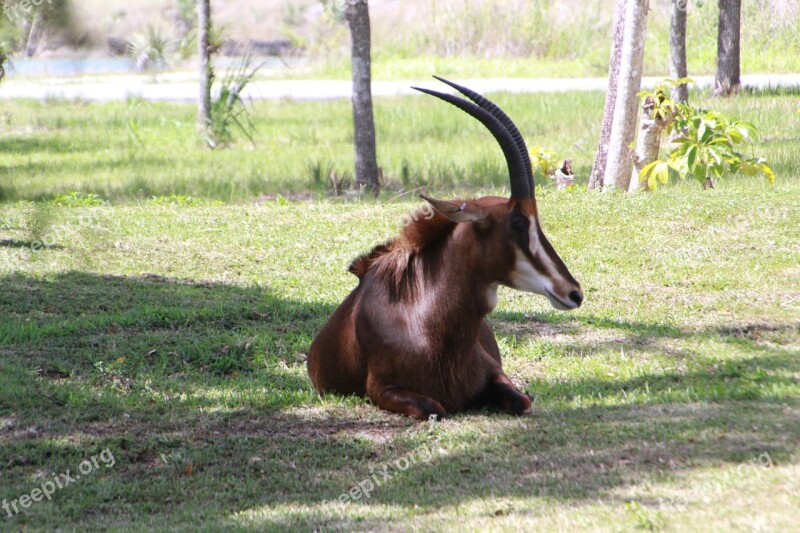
column 504, row 119
column 516, row 164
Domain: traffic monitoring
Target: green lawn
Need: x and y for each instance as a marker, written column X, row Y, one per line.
column 130, row 152
column 171, row 333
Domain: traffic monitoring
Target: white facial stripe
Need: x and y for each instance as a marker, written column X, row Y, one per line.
column 526, row 277
column 533, row 236
column 545, row 261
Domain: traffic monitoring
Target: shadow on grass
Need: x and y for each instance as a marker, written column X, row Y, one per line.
column 200, row 392
column 55, row 145
column 129, row 182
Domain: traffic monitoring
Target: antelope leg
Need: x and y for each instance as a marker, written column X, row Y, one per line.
column 399, row 400
column 501, row 392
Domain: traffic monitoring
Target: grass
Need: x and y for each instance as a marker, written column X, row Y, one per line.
column 173, row 336
column 133, row 151
column 171, row 332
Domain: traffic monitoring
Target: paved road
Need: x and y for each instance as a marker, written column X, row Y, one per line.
column 182, row 87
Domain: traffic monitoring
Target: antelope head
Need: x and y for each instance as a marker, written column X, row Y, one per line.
column 513, row 247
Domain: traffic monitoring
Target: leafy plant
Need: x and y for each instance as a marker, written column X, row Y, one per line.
column 181, row 200
column 706, row 145
column 662, row 106
column 229, row 109
column 150, row 49
column 333, row 10
column 79, row 199
column 544, row 161
column 186, row 27
column 187, row 11
column 547, row 166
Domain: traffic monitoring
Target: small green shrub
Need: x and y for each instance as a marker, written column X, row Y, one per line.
column 229, row 110
column 179, row 199
column 544, row 162
column 706, row 145
column 79, row 199
column 150, row 49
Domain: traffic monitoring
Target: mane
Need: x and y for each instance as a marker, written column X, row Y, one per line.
column 394, row 259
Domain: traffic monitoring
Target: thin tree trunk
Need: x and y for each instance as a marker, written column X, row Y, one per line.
column 599, row 165
column 357, row 13
column 677, row 49
column 3, row 59
column 623, row 127
column 728, row 70
column 33, row 35
column 206, row 72
column 648, row 142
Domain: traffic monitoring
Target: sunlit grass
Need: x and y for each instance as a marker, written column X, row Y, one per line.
column 135, row 151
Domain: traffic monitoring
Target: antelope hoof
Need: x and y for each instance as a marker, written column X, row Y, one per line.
column 520, row 404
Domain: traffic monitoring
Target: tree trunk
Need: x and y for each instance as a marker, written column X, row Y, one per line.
column 677, row 49
column 599, row 165
column 623, row 126
column 648, row 142
column 3, row 59
column 34, row 35
column 357, row 13
column 206, row 70
column 727, row 80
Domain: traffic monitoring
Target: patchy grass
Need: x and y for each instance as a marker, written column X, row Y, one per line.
column 172, row 333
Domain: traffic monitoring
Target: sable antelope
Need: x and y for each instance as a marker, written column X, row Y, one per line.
column 413, row 334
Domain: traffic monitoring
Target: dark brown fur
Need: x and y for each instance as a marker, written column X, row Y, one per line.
column 413, row 335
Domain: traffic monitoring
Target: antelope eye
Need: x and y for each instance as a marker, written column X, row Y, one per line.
column 520, row 224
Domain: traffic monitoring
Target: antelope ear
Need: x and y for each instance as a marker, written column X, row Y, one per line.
column 463, row 212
